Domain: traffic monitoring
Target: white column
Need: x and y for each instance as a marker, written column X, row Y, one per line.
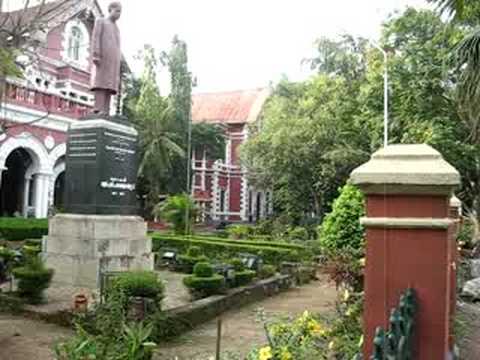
column 42, row 184
column 26, row 192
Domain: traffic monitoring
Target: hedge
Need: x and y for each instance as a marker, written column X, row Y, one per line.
column 259, row 242
column 245, row 277
column 17, row 229
column 205, row 285
column 215, row 249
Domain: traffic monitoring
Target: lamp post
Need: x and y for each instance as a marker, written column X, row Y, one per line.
column 385, row 93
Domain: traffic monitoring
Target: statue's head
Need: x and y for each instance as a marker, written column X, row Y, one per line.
column 115, row 10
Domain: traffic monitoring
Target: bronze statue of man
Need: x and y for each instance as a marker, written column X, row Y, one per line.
column 106, row 57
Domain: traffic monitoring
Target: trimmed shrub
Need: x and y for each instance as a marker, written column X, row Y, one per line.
column 244, row 277
column 237, row 264
column 17, row 229
column 341, row 228
column 206, row 286
column 220, row 248
column 203, row 270
column 257, row 241
column 139, row 284
column 239, row 231
column 188, row 262
column 298, row 234
column 33, row 279
column 267, row 271
column 194, row 251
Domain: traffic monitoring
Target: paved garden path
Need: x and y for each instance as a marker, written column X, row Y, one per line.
column 242, row 329
column 24, row 339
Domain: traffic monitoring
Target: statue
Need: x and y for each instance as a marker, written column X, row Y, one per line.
column 106, row 56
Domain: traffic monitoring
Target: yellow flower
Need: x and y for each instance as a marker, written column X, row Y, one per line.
column 331, row 345
column 265, row 353
column 349, row 312
column 362, row 261
column 346, row 295
column 286, row 355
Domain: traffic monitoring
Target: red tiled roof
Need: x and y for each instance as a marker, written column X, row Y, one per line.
column 234, row 107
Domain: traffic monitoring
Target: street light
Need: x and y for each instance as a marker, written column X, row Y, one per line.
column 385, row 93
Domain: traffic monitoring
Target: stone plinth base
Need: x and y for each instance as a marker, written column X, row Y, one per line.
column 81, row 247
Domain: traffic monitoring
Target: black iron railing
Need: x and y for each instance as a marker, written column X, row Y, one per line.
column 397, row 343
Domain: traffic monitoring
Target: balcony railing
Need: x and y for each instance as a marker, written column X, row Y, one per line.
column 42, row 101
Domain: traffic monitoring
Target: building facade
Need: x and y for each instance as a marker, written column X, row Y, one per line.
column 38, row 109
column 220, row 186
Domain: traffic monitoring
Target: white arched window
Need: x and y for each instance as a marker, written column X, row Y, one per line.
column 75, row 41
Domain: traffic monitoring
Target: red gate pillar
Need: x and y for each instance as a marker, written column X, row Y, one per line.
column 408, row 242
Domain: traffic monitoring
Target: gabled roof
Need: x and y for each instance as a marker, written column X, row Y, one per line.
column 49, row 14
column 233, row 107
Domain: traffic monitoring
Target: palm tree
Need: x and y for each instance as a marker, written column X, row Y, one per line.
column 467, row 59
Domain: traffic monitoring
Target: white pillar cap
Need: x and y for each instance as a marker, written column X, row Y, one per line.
column 402, row 169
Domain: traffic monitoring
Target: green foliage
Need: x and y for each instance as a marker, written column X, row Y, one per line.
column 237, row 264
column 267, row 271
column 133, row 344
column 206, row 286
column 239, row 231
column 33, row 279
column 139, row 284
column 16, row 229
column 298, row 233
column 160, row 143
column 187, row 263
column 217, row 249
column 244, row 277
column 341, row 228
column 203, row 270
column 180, row 211
column 8, row 66
column 194, row 251
column 254, row 241
column 208, row 137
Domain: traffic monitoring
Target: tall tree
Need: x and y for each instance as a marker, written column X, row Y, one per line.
column 181, row 84
column 160, row 142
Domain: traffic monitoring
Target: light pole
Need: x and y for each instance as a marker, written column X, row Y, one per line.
column 385, row 93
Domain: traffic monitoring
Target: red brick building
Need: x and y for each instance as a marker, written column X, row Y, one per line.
column 221, row 187
column 39, row 108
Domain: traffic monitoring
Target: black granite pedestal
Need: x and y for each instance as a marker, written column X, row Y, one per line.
column 101, row 168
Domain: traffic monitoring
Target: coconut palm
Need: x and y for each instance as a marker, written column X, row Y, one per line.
column 467, row 59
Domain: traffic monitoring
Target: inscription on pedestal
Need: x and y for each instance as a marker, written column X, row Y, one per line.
column 101, row 168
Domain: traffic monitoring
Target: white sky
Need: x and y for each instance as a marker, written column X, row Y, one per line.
column 236, row 44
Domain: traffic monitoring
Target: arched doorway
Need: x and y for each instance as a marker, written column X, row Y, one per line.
column 59, row 192
column 14, row 194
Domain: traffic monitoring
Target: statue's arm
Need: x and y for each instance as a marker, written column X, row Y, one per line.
column 96, row 41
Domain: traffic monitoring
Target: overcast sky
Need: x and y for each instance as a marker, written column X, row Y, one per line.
column 236, row 44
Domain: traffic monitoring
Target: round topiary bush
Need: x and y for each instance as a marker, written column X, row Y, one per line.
column 32, row 280
column 237, row 264
column 267, row 271
column 203, row 270
column 139, row 284
column 244, row 277
column 205, row 286
column 187, row 263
